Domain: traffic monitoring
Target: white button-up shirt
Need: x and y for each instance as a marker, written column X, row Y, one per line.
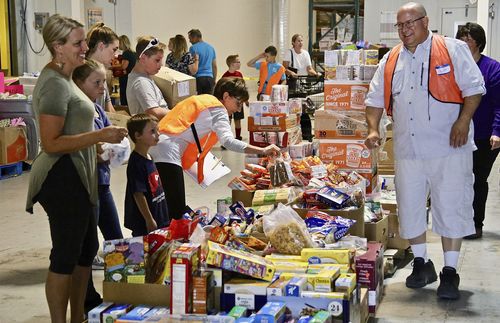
column 422, row 125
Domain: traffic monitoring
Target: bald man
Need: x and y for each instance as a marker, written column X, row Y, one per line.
column 430, row 86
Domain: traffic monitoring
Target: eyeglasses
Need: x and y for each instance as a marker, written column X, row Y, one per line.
column 408, row 24
column 152, row 43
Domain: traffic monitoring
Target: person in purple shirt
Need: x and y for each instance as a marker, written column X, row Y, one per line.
column 486, row 120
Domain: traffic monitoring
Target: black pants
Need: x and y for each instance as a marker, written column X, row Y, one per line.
column 483, row 159
column 205, row 85
column 172, row 180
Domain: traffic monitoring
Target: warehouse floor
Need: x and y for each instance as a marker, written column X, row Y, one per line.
column 25, row 246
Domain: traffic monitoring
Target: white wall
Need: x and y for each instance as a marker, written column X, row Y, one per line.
column 433, row 7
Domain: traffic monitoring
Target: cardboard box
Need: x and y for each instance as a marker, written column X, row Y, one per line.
column 175, row 86
column 203, row 296
column 386, row 158
column 13, row 145
column 120, row 119
column 136, row 294
column 349, row 154
column 345, row 95
column 331, row 124
column 370, row 273
column 184, row 263
column 281, row 139
column 124, row 260
column 245, row 197
column 378, row 231
column 394, row 240
column 273, row 123
column 271, row 312
column 363, row 306
column 358, row 229
column 274, row 109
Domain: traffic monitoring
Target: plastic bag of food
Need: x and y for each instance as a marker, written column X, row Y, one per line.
column 286, row 231
column 117, row 154
column 329, row 228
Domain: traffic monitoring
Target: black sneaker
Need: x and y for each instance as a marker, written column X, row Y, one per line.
column 422, row 274
column 448, row 287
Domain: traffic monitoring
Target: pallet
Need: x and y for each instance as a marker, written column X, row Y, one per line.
column 11, row 170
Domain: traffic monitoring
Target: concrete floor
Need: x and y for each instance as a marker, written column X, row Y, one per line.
column 25, row 246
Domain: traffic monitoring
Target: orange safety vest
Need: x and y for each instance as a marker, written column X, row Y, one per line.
column 180, row 118
column 274, row 79
column 441, row 87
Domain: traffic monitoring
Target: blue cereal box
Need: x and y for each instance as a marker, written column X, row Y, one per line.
column 272, row 312
column 137, row 314
column 94, row 315
column 295, row 286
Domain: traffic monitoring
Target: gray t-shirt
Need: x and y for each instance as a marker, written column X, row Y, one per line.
column 57, row 95
column 143, row 93
column 105, row 98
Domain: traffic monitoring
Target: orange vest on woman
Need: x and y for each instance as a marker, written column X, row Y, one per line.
column 274, row 79
column 442, row 85
column 180, row 118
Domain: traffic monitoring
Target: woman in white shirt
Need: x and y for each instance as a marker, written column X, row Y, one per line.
column 298, row 59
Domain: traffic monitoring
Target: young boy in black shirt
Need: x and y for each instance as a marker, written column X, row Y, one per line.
column 145, row 204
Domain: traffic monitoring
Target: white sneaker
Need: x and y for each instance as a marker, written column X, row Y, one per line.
column 98, row 263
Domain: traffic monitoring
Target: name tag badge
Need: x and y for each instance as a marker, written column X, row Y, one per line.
column 443, row 69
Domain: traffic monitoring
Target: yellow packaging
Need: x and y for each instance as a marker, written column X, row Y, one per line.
column 345, row 283
column 276, row 257
column 310, row 278
column 295, row 267
column 329, row 256
column 316, row 268
column 332, row 295
column 277, row 288
column 272, row 196
column 325, row 280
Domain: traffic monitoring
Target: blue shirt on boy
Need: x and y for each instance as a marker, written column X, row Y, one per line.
column 271, row 69
column 206, row 54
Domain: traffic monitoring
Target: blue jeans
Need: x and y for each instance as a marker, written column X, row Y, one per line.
column 108, row 220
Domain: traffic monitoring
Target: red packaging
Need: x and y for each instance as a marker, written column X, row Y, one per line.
column 185, row 262
column 370, row 273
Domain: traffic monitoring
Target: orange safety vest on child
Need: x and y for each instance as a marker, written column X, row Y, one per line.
column 442, row 85
column 180, row 118
column 274, row 79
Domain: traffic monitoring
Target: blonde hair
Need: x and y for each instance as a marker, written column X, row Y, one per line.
column 57, row 30
column 81, row 73
column 99, row 33
column 124, row 43
column 179, row 46
column 143, row 42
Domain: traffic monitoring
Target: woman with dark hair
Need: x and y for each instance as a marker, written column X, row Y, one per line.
column 177, row 149
column 179, row 58
column 486, row 121
column 63, row 177
column 127, row 64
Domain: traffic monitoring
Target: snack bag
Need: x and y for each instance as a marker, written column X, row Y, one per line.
column 286, row 231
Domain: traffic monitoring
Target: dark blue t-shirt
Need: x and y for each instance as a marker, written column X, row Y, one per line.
column 101, row 121
column 142, row 176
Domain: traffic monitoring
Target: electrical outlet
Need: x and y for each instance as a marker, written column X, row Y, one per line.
column 41, row 19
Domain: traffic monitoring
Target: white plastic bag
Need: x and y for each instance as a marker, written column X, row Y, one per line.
column 117, row 154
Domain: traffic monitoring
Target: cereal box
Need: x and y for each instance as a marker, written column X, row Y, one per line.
column 328, row 256
column 347, row 154
column 157, row 248
column 124, row 260
column 184, row 263
column 239, row 261
column 272, row 312
column 345, row 95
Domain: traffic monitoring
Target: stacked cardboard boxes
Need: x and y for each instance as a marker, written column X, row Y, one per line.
column 341, row 130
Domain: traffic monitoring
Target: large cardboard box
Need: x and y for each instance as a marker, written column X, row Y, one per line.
column 13, row 145
column 358, row 229
column 350, row 154
column 136, row 294
column 370, row 273
column 345, row 95
column 246, row 197
column 281, row 139
column 119, row 119
column 394, row 240
column 378, row 231
column 330, row 124
column 175, row 86
column 386, row 158
column 273, row 123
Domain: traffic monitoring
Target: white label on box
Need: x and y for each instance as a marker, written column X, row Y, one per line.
column 245, row 300
column 183, row 88
column 372, row 297
column 179, row 289
column 335, row 308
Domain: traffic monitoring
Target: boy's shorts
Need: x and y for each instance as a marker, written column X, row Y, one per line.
column 239, row 115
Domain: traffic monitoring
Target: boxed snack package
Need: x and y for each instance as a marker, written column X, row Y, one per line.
column 277, row 288
column 273, row 196
column 238, row 311
column 347, row 154
column 325, row 280
column 268, row 109
column 295, row 286
column 322, row 317
column 95, row 315
column 157, row 248
column 124, row 260
column 272, row 312
column 175, row 86
column 184, row 263
column 239, row 261
column 137, row 314
column 115, row 311
column 281, row 139
column 346, row 283
column 203, row 293
column 273, row 123
column 328, row 256
column 249, row 293
column 370, row 273
column 331, row 124
column 345, row 95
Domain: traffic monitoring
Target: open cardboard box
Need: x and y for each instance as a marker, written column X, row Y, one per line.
column 136, row 294
column 378, row 231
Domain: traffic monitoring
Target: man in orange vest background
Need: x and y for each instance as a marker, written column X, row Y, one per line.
column 271, row 72
column 430, row 86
